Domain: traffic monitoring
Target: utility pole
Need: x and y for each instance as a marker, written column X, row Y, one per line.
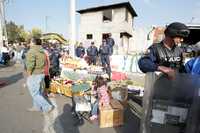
column 3, row 33
column 72, row 26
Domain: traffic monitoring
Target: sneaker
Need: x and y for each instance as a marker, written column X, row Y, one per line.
column 93, row 117
column 33, row 109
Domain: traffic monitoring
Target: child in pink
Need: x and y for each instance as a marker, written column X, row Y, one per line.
column 103, row 98
column 103, row 95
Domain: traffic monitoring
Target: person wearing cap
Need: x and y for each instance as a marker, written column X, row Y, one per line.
column 166, row 56
column 35, row 64
column 92, row 53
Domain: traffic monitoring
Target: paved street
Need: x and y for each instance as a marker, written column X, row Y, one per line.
column 15, row 99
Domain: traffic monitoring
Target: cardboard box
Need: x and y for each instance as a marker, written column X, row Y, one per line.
column 111, row 115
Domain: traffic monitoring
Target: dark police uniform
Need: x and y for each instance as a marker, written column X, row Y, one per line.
column 105, row 52
column 110, row 41
column 159, row 55
column 92, row 52
column 80, row 51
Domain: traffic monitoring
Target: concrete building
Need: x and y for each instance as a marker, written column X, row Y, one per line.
column 117, row 19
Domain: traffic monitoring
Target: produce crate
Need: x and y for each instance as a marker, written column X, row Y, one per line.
column 111, row 115
column 65, row 89
column 53, row 86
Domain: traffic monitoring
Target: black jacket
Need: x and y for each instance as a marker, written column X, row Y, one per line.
column 80, row 51
column 92, row 51
column 159, row 55
column 105, row 50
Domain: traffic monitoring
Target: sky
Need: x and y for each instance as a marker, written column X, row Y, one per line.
column 53, row 15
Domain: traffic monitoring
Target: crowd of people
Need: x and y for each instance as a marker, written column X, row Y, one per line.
column 41, row 62
column 92, row 53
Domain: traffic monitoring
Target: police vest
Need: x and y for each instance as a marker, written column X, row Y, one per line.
column 168, row 57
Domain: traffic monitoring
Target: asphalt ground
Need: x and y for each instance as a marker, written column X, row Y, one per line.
column 14, row 117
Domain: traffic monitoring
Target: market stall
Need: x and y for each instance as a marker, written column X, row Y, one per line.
column 75, row 73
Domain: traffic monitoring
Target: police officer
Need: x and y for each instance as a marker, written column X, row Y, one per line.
column 80, row 50
column 166, row 55
column 192, row 66
column 110, row 41
column 105, row 52
column 92, row 52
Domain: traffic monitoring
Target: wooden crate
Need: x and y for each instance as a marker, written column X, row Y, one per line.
column 112, row 115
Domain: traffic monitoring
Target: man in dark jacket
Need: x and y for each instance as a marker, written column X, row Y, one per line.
column 105, row 52
column 92, row 52
column 166, row 56
column 80, row 51
column 54, row 69
column 110, row 41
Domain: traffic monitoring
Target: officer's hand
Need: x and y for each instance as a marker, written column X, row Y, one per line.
column 167, row 70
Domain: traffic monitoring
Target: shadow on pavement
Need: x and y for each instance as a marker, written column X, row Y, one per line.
column 5, row 81
column 131, row 123
column 67, row 121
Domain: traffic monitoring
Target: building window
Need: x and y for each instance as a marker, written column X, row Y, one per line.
column 126, row 15
column 107, row 15
column 89, row 36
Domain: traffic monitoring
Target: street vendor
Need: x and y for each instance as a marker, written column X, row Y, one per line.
column 166, row 56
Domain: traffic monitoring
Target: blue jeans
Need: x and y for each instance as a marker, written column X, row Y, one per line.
column 35, row 84
column 105, row 60
column 95, row 108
